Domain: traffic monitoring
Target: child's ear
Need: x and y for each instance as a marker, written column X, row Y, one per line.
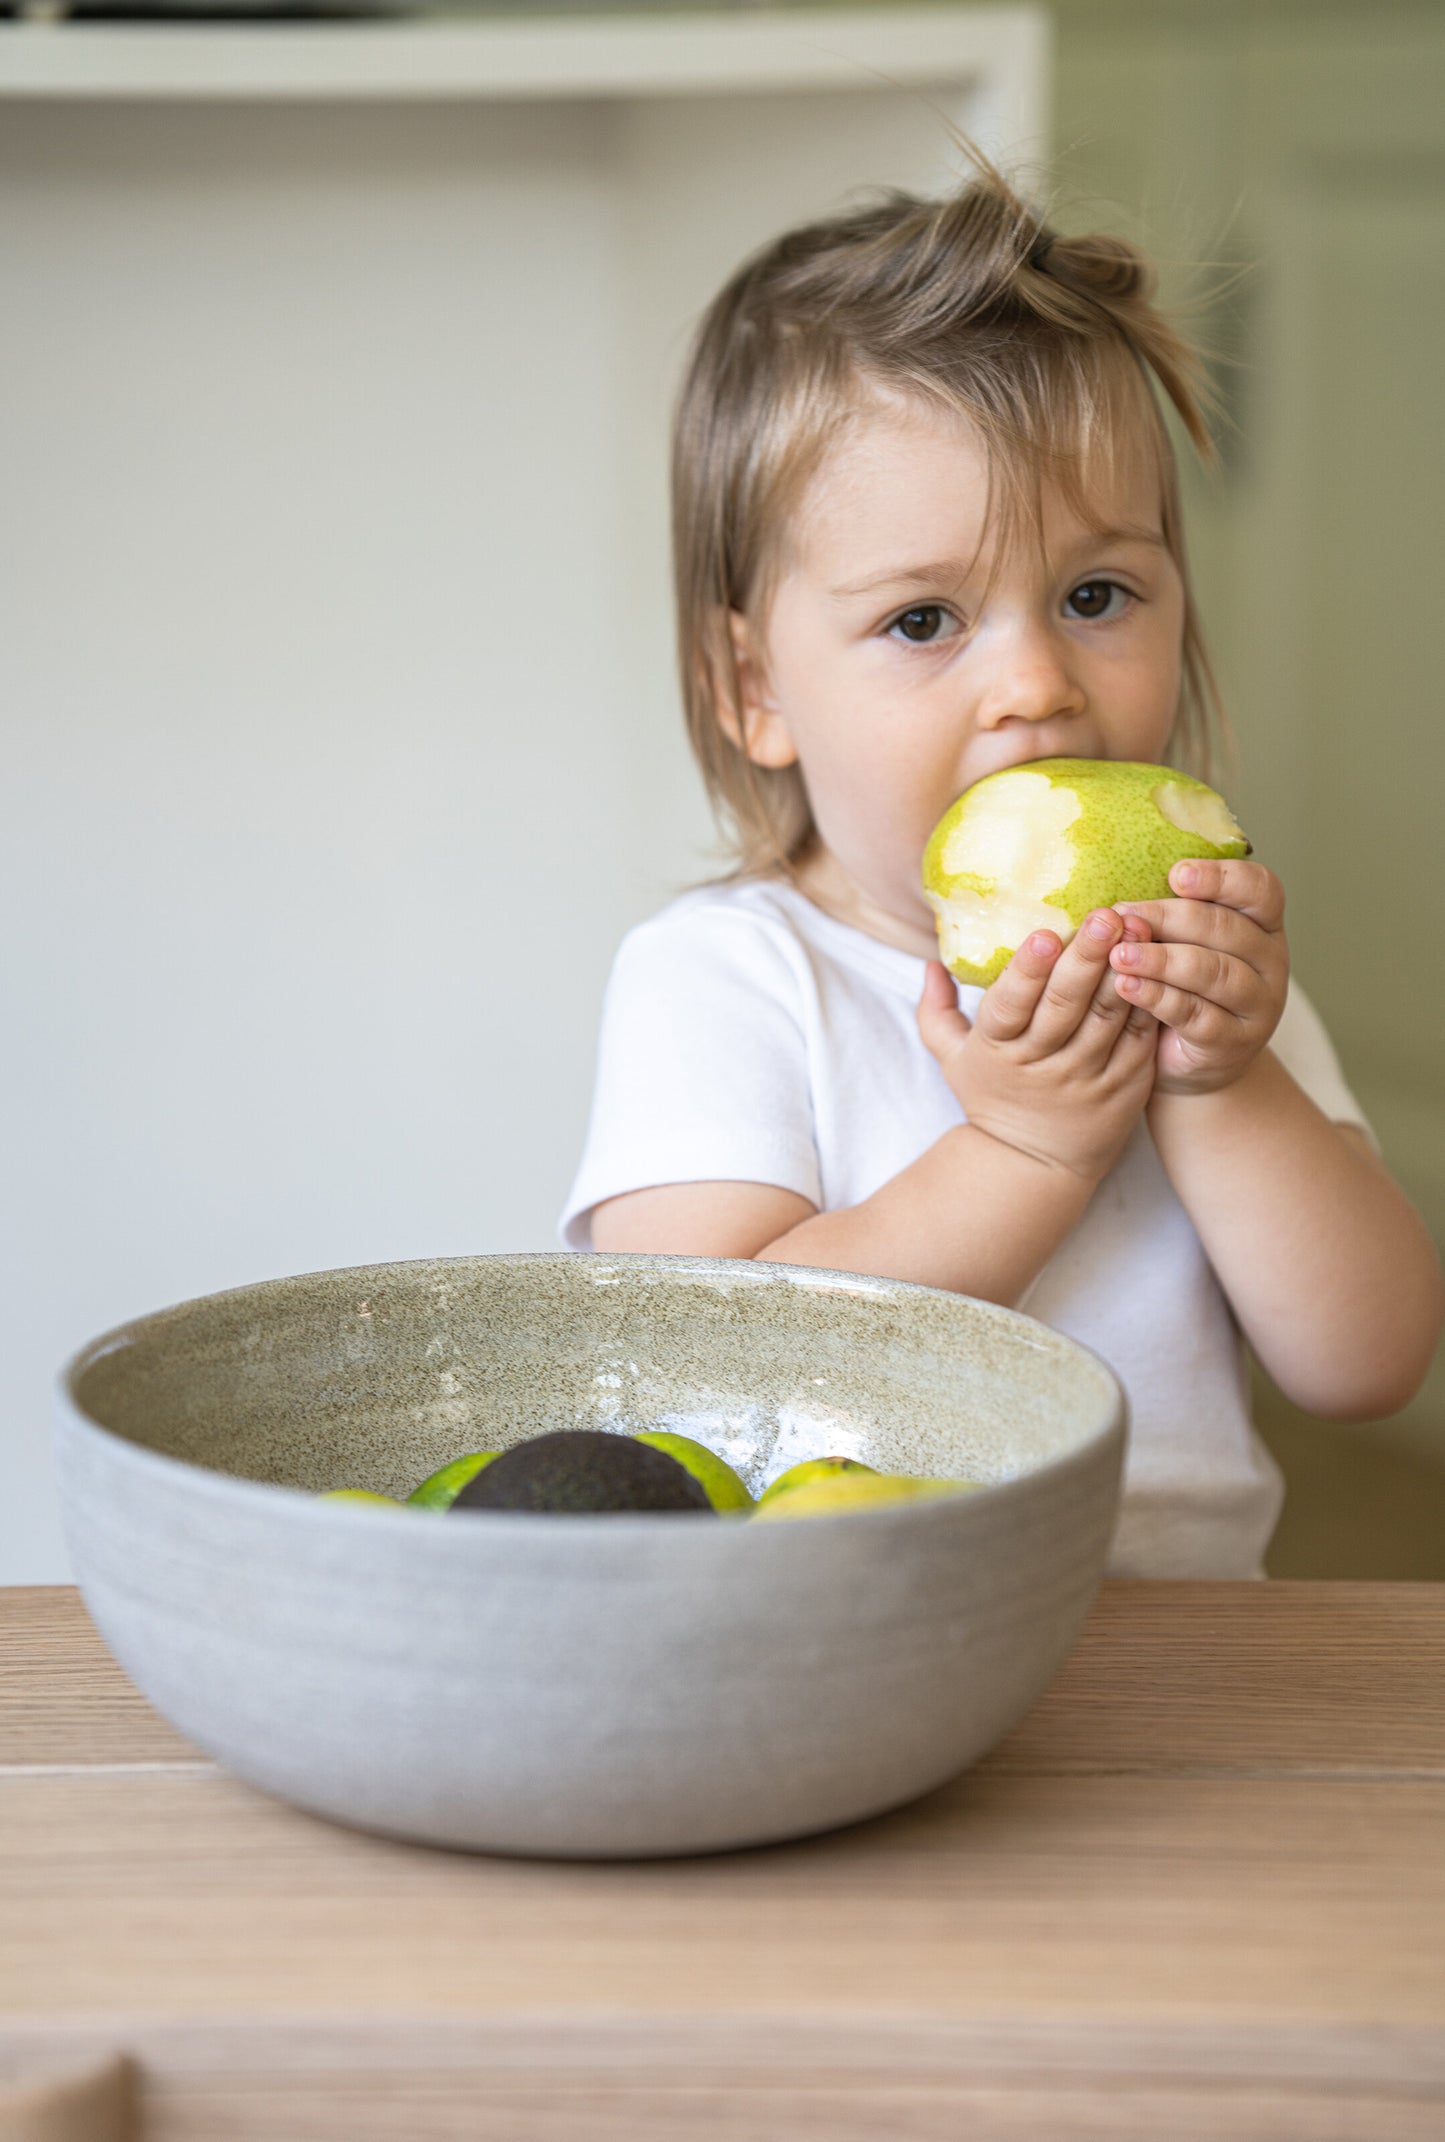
column 755, row 725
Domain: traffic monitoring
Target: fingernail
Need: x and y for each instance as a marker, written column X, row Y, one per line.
column 1100, row 926
column 1041, row 942
column 1126, row 955
column 1185, row 876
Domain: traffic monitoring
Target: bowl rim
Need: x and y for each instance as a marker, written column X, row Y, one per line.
column 212, row 1482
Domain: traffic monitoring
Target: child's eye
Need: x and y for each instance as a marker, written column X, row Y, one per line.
column 1094, row 598
column 923, row 624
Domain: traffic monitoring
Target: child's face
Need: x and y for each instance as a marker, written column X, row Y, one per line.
column 896, row 677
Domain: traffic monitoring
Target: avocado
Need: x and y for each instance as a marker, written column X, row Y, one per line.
column 578, row 1471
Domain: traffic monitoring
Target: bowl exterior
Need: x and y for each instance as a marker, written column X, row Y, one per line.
column 583, row 1687
column 641, row 1691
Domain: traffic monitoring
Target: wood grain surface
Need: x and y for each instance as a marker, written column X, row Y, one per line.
column 1199, row 1892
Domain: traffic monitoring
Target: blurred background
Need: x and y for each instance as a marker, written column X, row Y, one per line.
column 340, row 743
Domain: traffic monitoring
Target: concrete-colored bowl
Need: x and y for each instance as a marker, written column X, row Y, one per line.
column 586, row 1686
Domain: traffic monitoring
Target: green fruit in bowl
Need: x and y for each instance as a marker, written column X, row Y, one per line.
column 815, row 1469
column 1037, row 847
column 724, row 1490
column 440, row 1489
column 854, row 1491
column 358, row 1494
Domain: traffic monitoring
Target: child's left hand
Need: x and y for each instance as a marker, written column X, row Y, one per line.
column 1214, row 973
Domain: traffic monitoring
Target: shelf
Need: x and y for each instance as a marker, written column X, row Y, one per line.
column 563, row 57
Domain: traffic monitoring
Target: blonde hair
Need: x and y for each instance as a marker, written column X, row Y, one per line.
column 1045, row 343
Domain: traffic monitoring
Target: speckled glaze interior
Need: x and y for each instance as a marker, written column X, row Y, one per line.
column 605, row 1686
column 373, row 1378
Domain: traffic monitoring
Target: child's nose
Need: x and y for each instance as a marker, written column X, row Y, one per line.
column 1031, row 682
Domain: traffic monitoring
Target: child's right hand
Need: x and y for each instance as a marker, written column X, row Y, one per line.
column 1056, row 1063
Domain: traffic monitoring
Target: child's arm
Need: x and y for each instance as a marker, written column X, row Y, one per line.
column 1053, row 1075
column 1327, row 1265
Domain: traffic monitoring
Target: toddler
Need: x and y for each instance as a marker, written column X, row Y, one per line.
column 927, row 525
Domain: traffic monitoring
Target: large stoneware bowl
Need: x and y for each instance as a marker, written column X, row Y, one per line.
column 586, row 1685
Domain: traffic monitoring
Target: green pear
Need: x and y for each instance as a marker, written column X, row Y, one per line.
column 810, row 1470
column 440, row 1489
column 358, row 1494
column 1037, row 847
column 834, row 1496
column 724, row 1490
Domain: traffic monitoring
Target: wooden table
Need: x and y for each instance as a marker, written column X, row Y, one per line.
column 1199, row 1892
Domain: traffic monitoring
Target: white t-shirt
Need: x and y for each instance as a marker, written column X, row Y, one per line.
column 747, row 1036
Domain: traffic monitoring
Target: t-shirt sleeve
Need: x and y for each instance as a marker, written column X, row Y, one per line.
column 702, row 1064
column 1304, row 1048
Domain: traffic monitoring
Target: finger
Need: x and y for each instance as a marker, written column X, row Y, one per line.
column 1105, row 1020
column 1141, row 1023
column 1196, row 1019
column 1073, row 986
column 1139, row 1035
column 1197, row 969
column 941, row 1024
column 1222, row 930
column 1249, row 889
column 1009, row 1004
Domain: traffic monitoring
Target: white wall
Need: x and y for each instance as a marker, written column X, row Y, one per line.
column 339, row 742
